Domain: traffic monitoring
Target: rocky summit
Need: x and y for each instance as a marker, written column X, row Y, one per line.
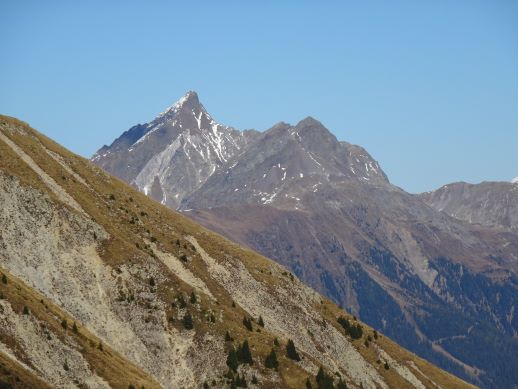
column 442, row 286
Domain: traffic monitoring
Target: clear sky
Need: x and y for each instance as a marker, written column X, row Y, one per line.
column 430, row 89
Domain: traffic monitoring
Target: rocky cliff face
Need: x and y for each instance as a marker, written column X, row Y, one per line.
column 102, row 287
column 324, row 208
column 175, row 153
column 492, row 204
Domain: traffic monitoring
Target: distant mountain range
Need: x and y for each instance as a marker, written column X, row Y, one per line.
column 445, row 288
column 491, row 204
column 102, row 287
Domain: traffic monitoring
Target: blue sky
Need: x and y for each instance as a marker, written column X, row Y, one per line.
column 430, row 89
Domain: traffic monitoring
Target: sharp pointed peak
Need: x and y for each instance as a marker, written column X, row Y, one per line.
column 188, row 99
column 190, row 96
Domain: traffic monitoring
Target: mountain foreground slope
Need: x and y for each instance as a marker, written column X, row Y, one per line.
column 103, row 287
column 324, row 208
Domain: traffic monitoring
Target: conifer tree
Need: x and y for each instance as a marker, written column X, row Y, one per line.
column 232, row 361
column 181, row 301
column 228, row 338
column 291, row 351
column 187, row 321
column 244, row 353
column 341, row 384
column 271, row 361
column 324, row 381
column 247, row 323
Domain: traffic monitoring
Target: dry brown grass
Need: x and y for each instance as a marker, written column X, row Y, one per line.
column 166, row 226
column 108, row 364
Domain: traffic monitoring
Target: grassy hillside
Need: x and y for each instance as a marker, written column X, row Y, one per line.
column 168, row 300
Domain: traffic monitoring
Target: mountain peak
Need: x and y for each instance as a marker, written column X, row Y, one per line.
column 514, row 180
column 190, row 100
column 309, row 121
column 191, row 96
column 310, row 127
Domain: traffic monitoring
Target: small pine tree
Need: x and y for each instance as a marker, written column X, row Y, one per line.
column 260, row 321
column 291, row 351
column 308, row 384
column 254, row 380
column 74, row 328
column 324, row 381
column 4, row 279
column 193, row 298
column 187, row 321
column 181, row 301
column 244, row 354
column 276, row 342
column 100, row 347
column 271, row 361
column 232, row 361
column 346, row 325
column 247, row 323
column 228, row 338
column 131, row 386
column 64, row 324
column 320, row 375
column 25, row 310
column 152, row 282
column 375, row 334
column 205, row 385
column 386, row 365
column 241, row 381
column 65, row 366
column 341, row 384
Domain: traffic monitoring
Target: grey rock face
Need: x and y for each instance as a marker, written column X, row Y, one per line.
column 173, row 154
column 445, row 289
column 492, row 204
column 283, row 164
